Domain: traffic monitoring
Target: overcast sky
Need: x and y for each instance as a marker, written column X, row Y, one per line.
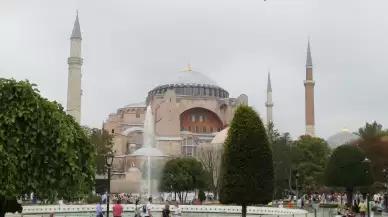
column 130, row 46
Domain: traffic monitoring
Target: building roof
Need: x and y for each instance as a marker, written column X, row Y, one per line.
column 341, row 138
column 192, row 77
column 221, row 136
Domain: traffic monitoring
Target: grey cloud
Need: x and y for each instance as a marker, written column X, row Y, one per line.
column 130, row 46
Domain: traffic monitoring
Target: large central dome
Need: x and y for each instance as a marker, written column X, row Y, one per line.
column 193, row 78
column 190, row 83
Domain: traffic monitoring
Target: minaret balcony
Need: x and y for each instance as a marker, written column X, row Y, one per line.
column 309, row 83
column 269, row 104
column 75, row 60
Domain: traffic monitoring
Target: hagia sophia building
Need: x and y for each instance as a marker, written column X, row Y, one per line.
column 189, row 111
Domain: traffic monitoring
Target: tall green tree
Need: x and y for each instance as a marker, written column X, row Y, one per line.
column 347, row 168
column 247, row 174
column 273, row 133
column 371, row 130
column 103, row 143
column 182, row 175
column 310, row 156
column 282, row 160
column 42, row 150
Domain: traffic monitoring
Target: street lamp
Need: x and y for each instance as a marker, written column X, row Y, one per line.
column 296, row 184
column 367, row 162
column 385, row 172
column 108, row 161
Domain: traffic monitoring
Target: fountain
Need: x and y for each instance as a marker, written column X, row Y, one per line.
column 149, row 145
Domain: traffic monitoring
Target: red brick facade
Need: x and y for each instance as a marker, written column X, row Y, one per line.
column 200, row 120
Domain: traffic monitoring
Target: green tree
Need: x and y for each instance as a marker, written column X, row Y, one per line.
column 247, row 172
column 311, row 155
column 273, row 133
column 103, row 143
column 376, row 150
column 347, row 168
column 282, row 160
column 371, row 130
column 42, row 150
column 182, row 175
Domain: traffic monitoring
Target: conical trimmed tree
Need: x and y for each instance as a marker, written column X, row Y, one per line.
column 247, row 174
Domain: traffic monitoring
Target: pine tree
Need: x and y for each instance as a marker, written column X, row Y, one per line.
column 247, row 175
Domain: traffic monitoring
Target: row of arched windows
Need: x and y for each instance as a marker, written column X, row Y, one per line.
column 199, row 129
column 193, row 91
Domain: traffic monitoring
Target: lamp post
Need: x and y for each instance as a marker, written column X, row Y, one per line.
column 367, row 162
column 385, row 172
column 296, row 185
column 108, row 161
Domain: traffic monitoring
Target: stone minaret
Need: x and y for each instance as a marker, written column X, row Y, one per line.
column 309, row 93
column 269, row 104
column 75, row 60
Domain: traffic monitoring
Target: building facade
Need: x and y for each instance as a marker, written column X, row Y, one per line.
column 188, row 111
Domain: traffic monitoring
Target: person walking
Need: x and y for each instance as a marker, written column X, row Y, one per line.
column 178, row 211
column 117, row 209
column 147, row 208
column 137, row 208
column 99, row 210
column 363, row 208
column 166, row 211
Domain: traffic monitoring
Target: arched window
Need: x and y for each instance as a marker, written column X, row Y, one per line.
column 197, row 129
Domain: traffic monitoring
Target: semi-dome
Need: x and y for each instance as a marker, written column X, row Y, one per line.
column 341, row 138
column 190, row 83
column 220, row 136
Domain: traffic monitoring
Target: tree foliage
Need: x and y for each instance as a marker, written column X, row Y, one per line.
column 374, row 143
column 282, row 160
column 311, row 155
column 372, row 130
column 347, row 168
column 103, row 143
column 42, row 150
column 247, row 172
column 376, row 150
column 273, row 133
column 182, row 175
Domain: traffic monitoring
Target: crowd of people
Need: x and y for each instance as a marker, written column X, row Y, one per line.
column 144, row 210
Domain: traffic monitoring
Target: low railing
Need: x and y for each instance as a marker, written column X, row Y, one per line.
column 130, row 208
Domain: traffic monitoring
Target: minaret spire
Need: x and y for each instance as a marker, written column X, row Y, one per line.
column 75, row 61
column 309, row 84
column 269, row 104
column 76, row 33
column 309, row 60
